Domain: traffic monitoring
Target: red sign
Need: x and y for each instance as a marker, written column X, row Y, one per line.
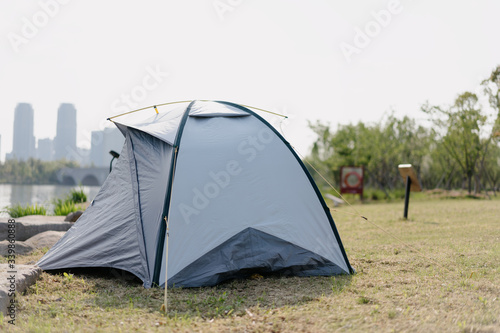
column 351, row 180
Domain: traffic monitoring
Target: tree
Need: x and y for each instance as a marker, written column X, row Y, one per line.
column 379, row 148
column 464, row 139
column 32, row 171
column 492, row 90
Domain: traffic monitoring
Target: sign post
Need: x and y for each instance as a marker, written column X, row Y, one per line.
column 412, row 184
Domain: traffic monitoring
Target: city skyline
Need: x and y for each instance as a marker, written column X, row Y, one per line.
column 65, row 139
column 24, row 144
column 334, row 61
column 63, row 144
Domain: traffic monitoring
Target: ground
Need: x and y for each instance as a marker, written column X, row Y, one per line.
column 437, row 272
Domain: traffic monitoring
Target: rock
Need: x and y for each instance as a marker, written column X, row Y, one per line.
column 40, row 218
column 25, row 275
column 21, row 248
column 44, row 239
column 30, row 228
column 72, row 217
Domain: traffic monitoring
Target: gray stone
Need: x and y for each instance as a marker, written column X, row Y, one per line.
column 39, row 218
column 44, row 239
column 21, row 248
column 73, row 217
column 29, row 227
column 25, row 275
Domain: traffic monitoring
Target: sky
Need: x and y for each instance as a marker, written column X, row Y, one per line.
column 335, row 61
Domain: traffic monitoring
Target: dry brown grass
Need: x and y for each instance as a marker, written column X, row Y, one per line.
column 395, row 289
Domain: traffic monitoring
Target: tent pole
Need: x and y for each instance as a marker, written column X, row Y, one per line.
column 166, row 221
column 166, row 269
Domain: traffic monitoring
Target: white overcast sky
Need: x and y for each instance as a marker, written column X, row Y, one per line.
column 281, row 55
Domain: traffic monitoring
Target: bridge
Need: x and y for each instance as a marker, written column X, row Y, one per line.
column 84, row 176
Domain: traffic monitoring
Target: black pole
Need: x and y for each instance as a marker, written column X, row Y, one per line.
column 407, row 196
column 115, row 155
column 111, row 164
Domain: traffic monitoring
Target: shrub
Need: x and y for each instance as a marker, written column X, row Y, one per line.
column 77, row 196
column 71, row 203
column 64, row 207
column 18, row 210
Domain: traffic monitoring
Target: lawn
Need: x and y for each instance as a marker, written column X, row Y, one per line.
column 448, row 280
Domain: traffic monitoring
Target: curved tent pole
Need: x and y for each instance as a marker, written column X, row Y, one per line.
column 168, row 195
column 147, row 107
column 179, row 102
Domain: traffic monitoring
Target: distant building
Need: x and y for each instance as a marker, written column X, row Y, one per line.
column 23, row 146
column 83, row 157
column 102, row 142
column 45, row 150
column 65, row 140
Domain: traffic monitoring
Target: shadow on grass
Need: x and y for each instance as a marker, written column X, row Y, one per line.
column 116, row 289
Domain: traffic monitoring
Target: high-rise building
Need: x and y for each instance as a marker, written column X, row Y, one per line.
column 45, row 150
column 102, row 143
column 65, row 140
column 24, row 141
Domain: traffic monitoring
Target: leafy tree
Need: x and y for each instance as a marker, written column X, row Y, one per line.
column 32, row 171
column 379, row 148
column 464, row 138
column 492, row 90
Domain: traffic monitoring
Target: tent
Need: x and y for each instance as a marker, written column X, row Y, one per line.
column 237, row 199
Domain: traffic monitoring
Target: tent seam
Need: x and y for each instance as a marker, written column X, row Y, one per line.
column 168, row 197
column 138, row 210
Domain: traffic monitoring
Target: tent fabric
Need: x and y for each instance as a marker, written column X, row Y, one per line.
column 107, row 227
column 266, row 253
column 205, row 109
column 163, row 126
column 150, row 186
column 245, row 197
column 240, row 200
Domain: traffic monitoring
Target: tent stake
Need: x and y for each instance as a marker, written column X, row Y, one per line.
column 166, row 269
column 176, row 150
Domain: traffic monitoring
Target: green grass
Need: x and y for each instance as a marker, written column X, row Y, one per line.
column 64, row 207
column 70, row 203
column 448, row 282
column 73, row 202
column 18, row 210
column 77, row 196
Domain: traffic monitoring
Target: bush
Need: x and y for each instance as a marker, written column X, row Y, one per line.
column 64, row 207
column 77, row 196
column 374, row 194
column 18, row 210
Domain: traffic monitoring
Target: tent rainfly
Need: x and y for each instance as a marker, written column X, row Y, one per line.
column 237, row 199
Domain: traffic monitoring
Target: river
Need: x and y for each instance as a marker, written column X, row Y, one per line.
column 38, row 194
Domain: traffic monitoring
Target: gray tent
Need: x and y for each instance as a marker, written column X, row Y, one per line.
column 237, row 198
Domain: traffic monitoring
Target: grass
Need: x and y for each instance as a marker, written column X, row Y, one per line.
column 452, row 284
column 16, row 211
column 73, row 202
column 376, row 196
column 64, row 207
column 77, row 195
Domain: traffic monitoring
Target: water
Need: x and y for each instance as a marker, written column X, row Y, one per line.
column 38, row 194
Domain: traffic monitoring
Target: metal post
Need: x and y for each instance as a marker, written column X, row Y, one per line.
column 407, row 196
column 111, row 164
column 115, row 155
